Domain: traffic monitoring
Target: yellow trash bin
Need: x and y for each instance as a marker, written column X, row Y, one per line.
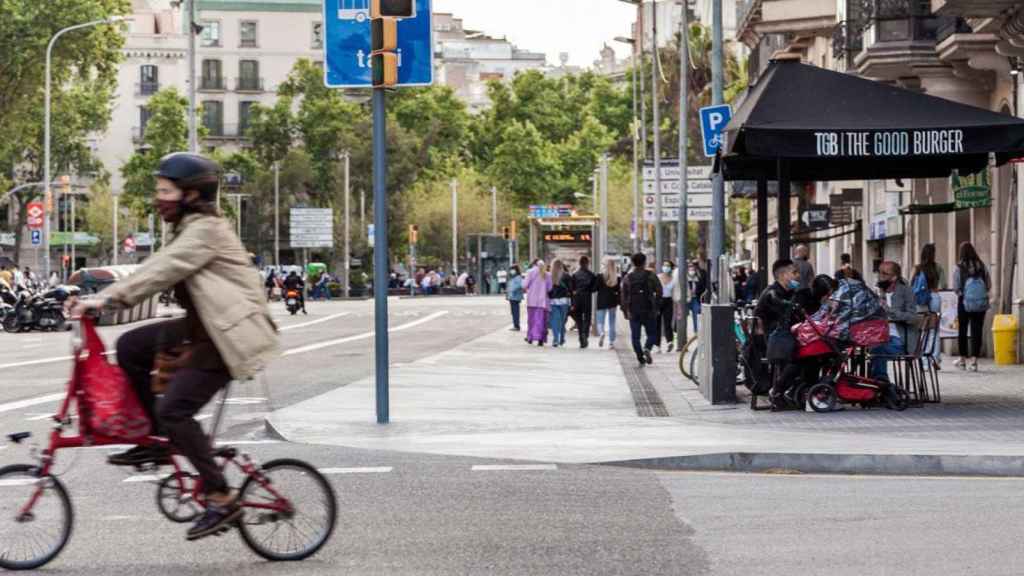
column 1004, row 339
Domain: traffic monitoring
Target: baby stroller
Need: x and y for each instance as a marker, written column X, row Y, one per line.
column 853, row 319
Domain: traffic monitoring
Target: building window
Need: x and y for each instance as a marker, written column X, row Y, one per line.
column 318, row 35
column 213, row 117
column 213, row 78
column 210, row 36
column 144, row 115
column 249, row 76
column 247, row 34
column 149, row 80
column 244, row 114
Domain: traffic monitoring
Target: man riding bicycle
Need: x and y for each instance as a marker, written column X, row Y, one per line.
column 227, row 332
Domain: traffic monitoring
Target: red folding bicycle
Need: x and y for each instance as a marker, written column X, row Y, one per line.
column 290, row 508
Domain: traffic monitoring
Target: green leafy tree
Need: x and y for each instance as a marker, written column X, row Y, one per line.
column 166, row 132
column 526, row 166
column 272, row 130
column 84, row 72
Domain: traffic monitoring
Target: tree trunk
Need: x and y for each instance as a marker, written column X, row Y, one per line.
column 21, row 200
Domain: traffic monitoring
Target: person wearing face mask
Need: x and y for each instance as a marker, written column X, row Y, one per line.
column 515, row 295
column 901, row 310
column 666, row 312
column 696, row 285
column 537, row 284
column 775, row 309
column 227, row 332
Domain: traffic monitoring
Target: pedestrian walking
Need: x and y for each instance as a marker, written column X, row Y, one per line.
column 666, row 308
column 561, row 298
column 696, row 285
column 801, row 255
column 607, row 302
column 537, row 284
column 929, row 279
column 584, row 285
column 973, row 284
column 641, row 295
column 515, row 296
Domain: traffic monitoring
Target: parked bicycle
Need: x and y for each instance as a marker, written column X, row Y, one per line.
column 742, row 328
column 289, row 507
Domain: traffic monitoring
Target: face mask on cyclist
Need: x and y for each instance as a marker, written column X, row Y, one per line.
column 170, row 210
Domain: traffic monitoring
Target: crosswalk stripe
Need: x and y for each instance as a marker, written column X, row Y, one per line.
column 512, row 467
column 358, row 470
column 142, row 478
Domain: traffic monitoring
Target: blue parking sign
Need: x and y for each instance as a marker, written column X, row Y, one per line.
column 37, row 237
column 713, row 120
column 347, row 62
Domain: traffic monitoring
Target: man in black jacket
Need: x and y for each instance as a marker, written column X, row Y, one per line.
column 775, row 309
column 584, row 284
column 295, row 282
column 641, row 301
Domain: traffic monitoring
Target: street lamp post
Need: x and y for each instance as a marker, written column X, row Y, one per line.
column 455, row 226
column 684, row 126
column 348, row 229
column 494, row 210
column 635, row 232
column 277, row 215
column 46, row 123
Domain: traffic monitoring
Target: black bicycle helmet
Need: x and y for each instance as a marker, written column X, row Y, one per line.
column 191, row 172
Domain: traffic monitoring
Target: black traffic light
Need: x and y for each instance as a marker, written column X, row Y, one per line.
column 504, row 232
column 393, row 9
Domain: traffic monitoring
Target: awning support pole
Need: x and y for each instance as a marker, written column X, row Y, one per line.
column 763, row 265
column 783, row 215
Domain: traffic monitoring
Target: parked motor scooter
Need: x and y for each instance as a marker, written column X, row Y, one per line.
column 38, row 311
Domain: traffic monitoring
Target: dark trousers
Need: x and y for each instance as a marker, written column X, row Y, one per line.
column 515, row 304
column 666, row 321
column 187, row 393
column 975, row 321
column 648, row 324
column 584, row 318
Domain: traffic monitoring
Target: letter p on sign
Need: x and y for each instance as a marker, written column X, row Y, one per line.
column 713, row 120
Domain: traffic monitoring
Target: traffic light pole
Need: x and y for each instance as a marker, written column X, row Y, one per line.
column 380, row 254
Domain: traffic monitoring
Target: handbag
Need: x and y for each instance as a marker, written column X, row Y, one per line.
column 107, row 400
column 781, row 345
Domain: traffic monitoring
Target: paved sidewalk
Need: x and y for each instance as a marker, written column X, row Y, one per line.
column 496, row 397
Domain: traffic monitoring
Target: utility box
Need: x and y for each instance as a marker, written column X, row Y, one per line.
column 717, row 354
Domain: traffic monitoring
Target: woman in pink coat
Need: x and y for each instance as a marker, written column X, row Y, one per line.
column 537, row 286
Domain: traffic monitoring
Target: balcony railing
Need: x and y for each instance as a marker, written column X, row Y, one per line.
column 212, row 83
column 226, row 131
column 248, row 84
column 146, row 88
column 900, row 21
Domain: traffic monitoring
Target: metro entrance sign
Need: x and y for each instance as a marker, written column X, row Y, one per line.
column 347, row 45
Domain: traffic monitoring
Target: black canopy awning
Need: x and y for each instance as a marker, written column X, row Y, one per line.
column 825, row 125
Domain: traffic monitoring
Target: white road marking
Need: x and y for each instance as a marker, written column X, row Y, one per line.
column 314, row 322
column 36, row 417
column 512, row 467
column 116, row 518
column 17, row 482
column 363, row 470
column 45, row 361
column 245, row 442
column 143, row 478
column 244, row 400
column 330, row 343
column 203, row 417
column 19, row 404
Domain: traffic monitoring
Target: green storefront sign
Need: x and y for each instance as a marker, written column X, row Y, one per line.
column 972, row 191
column 81, row 239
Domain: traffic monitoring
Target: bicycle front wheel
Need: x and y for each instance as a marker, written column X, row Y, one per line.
column 35, row 517
column 290, row 510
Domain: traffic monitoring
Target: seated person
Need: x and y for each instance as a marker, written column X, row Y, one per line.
column 775, row 308
column 901, row 310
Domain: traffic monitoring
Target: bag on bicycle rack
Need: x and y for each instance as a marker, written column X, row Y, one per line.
column 107, row 402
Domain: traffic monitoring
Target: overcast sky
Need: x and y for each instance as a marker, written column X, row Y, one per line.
column 579, row 27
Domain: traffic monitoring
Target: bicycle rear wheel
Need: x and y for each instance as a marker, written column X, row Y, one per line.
column 31, row 538
column 307, row 519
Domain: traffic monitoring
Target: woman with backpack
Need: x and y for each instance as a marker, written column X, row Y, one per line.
column 929, row 278
column 972, row 288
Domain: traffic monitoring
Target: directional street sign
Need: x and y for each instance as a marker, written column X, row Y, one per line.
column 713, row 120
column 672, row 214
column 675, row 201
column 37, row 237
column 670, row 171
column 347, row 45
column 672, row 186
column 311, row 227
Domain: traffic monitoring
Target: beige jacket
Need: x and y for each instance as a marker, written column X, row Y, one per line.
column 224, row 287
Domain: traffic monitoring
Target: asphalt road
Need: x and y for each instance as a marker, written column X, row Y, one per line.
column 416, row 514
